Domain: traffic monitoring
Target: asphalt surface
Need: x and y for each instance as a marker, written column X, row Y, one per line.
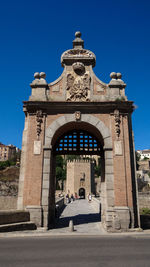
column 76, row 251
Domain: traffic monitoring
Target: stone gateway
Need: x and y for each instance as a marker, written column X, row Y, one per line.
column 59, row 117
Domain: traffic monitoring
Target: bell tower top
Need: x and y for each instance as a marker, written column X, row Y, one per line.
column 78, row 53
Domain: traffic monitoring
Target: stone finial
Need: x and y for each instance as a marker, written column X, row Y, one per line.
column 113, row 75
column 119, row 75
column 78, row 43
column 39, row 87
column 78, row 54
column 39, row 80
column 42, row 75
column 116, row 81
column 37, row 75
column 78, row 34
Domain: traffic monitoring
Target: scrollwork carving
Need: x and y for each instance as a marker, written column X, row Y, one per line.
column 117, row 123
column 78, row 53
column 39, row 120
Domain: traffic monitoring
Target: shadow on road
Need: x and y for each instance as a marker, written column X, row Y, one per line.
column 78, row 219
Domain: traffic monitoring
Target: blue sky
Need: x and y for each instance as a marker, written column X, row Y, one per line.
column 34, row 34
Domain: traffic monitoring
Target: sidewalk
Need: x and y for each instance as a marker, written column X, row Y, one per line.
column 85, row 220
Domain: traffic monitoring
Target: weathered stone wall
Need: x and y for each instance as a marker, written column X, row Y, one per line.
column 9, row 188
column 8, row 202
column 144, row 200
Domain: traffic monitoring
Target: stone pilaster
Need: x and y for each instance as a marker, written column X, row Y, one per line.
column 23, row 164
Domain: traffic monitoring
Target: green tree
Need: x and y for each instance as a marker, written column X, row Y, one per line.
column 60, row 170
column 6, row 163
column 137, row 157
column 145, row 158
column 97, row 168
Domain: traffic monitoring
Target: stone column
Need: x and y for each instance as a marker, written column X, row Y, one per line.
column 52, row 187
column 109, row 190
column 45, row 186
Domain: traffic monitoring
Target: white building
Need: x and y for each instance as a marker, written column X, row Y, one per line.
column 144, row 153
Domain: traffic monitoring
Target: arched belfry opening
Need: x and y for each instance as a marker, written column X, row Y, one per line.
column 79, row 114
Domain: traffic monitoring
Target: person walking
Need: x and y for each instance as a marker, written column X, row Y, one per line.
column 67, row 199
column 90, row 197
column 72, row 198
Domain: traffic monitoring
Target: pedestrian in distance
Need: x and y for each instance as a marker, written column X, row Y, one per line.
column 72, row 198
column 90, row 197
column 67, row 199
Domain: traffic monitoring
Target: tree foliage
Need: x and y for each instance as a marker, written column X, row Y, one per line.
column 6, row 163
column 97, row 168
column 60, row 170
column 137, row 157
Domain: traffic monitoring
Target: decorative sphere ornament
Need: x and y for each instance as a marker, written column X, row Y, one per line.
column 119, row 75
column 37, row 75
column 42, row 75
column 113, row 75
column 78, row 34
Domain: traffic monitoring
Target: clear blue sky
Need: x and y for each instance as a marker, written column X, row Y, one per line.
column 35, row 33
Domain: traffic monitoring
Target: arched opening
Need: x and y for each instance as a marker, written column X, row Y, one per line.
column 82, row 193
column 79, row 141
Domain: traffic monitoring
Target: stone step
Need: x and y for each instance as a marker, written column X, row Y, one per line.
column 22, row 226
column 14, row 216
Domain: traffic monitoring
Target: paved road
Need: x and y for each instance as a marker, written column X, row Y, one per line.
column 84, row 217
column 75, row 251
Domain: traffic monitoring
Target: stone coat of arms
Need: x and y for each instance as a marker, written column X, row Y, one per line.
column 78, row 87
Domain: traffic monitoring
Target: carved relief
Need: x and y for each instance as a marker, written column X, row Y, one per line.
column 117, row 123
column 78, row 115
column 78, row 53
column 79, row 68
column 39, row 120
column 78, row 87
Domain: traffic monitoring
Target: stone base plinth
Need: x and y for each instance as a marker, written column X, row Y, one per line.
column 35, row 214
column 118, row 219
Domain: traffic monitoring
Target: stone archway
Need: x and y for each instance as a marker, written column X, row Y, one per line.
column 107, row 184
column 79, row 98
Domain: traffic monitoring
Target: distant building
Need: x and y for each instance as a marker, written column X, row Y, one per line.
column 80, row 178
column 144, row 165
column 7, row 152
column 144, row 153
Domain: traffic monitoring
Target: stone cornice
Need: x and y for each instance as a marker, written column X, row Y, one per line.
column 124, row 107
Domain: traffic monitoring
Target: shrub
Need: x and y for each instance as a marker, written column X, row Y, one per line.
column 145, row 211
